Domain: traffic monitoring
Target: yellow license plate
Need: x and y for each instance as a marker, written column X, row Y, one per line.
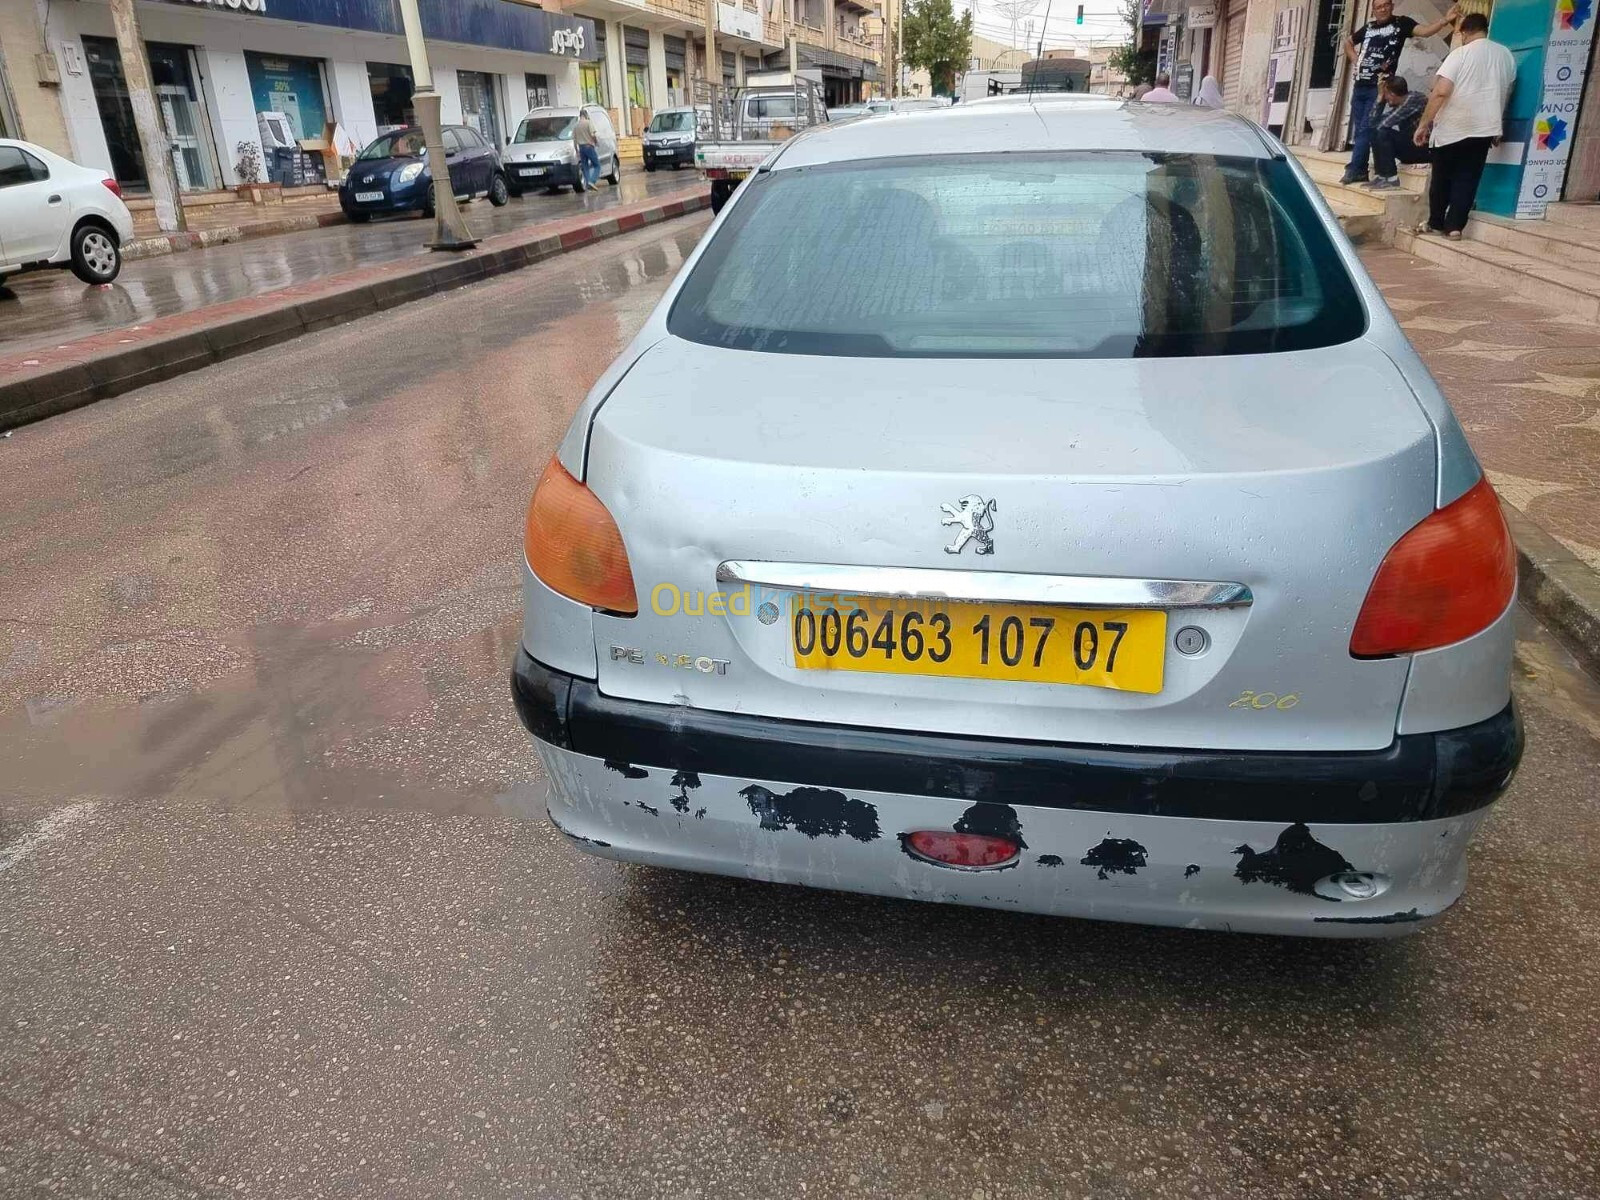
column 1123, row 649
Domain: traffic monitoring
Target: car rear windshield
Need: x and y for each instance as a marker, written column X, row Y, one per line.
column 672, row 122
column 1080, row 255
column 545, row 129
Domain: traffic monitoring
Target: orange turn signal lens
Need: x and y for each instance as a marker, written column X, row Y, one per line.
column 1447, row 579
column 574, row 547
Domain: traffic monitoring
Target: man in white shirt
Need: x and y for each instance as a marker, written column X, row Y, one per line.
column 1464, row 118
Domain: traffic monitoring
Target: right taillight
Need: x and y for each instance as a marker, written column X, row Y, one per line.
column 1447, row 579
column 574, row 546
column 112, row 186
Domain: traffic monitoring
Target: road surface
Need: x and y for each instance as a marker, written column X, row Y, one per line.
column 280, row 916
column 46, row 308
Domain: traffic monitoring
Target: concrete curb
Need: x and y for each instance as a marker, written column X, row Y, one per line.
column 169, row 243
column 1560, row 588
column 189, row 341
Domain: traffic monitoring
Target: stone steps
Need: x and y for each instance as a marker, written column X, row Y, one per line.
column 1327, row 166
column 1575, row 290
column 1585, row 216
column 1565, row 245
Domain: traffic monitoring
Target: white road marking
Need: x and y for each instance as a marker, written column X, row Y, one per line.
column 47, row 829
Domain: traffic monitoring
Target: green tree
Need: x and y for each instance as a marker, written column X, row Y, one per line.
column 938, row 42
column 1138, row 67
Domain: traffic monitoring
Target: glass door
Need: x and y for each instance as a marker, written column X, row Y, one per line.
column 478, row 107
column 183, row 115
column 116, row 112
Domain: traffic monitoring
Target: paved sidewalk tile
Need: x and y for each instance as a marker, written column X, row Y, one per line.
column 1525, row 381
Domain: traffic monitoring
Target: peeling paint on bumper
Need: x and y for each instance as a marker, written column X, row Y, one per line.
column 1178, row 871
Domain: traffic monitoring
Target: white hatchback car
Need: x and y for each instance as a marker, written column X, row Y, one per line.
column 54, row 213
column 1032, row 506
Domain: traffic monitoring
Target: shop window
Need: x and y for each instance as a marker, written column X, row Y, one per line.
column 538, row 90
column 291, row 86
column 639, row 87
column 392, row 89
column 592, row 79
column 116, row 111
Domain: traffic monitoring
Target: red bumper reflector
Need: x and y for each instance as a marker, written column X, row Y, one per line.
column 973, row 851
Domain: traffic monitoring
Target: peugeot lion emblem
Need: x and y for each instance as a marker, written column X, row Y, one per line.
column 975, row 516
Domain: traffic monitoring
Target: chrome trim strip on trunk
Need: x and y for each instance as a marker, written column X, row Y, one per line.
column 1079, row 591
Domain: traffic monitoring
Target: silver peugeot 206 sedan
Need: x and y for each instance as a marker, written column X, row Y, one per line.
column 1031, row 506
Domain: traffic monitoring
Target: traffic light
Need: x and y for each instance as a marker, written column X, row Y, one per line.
column 1080, row 14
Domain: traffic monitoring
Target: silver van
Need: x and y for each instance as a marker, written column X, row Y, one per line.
column 668, row 140
column 542, row 154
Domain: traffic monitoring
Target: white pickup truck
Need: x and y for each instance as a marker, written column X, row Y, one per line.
column 739, row 127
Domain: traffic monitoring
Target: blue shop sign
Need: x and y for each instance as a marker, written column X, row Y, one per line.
column 497, row 24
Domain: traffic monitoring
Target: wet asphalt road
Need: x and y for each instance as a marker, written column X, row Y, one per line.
column 45, row 308
column 279, row 915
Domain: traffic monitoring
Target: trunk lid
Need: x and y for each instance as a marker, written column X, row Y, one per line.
column 1288, row 474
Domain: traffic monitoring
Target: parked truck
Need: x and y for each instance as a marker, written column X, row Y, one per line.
column 738, row 127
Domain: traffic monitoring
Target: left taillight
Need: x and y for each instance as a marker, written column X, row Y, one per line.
column 1448, row 578
column 112, row 186
column 574, row 546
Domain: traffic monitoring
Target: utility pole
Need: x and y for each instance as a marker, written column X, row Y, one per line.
column 153, row 140
column 450, row 230
column 713, row 63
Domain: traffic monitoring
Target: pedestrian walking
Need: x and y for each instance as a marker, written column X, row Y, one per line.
column 1463, row 120
column 1162, row 93
column 1395, row 123
column 1210, row 93
column 588, row 156
column 1374, row 52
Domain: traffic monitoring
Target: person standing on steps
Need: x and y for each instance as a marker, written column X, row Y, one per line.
column 1374, row 53
column 1464, row 119
column 1395, row 124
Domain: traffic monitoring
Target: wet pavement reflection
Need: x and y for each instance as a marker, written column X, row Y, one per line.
column 44, row 308
column 280, row 916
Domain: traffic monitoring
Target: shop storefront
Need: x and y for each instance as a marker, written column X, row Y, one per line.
column 392, row 88
column 592, row 75
column 674, row 53
column 217, row 64
column 173, row 75
column 479, row 107
column 636, row 43
column 296, row 87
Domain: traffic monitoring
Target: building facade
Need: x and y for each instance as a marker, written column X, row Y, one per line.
column 1280, row 62
column 217, row 65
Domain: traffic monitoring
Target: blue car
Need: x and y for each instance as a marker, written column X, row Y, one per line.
column 391, row 175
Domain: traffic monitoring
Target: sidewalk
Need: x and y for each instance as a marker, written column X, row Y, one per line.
column 221, row 217
column 1525, row 381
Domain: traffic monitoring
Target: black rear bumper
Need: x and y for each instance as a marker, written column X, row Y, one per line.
column 1418, row 777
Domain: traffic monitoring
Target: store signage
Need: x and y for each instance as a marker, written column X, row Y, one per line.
column 254, row 6
column 1203, row 15
column 567, row 41
column 1566, row 63
column 738, row 21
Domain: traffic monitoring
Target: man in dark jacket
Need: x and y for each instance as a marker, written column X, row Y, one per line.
column 1394, row 122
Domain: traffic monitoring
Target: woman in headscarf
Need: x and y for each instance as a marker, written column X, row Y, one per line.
column 1210, row 94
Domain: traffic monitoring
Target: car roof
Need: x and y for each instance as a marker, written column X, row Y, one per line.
column 1032, row 125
